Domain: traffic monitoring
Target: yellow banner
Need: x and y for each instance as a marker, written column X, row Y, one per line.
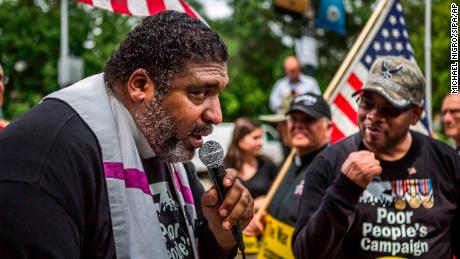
column 276, row 241
column 251, row 244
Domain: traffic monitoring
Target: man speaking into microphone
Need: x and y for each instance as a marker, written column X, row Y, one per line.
column 387, row 191
column 101, row 168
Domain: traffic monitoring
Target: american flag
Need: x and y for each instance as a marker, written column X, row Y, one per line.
column 388, row 36
column 143, row 7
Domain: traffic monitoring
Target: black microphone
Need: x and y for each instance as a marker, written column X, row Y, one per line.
column 212, row 156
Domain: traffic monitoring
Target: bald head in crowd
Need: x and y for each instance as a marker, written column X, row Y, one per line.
column 292, row 68
column 293, row 84
column 451, row 117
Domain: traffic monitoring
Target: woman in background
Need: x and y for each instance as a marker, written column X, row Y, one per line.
column 256, row 171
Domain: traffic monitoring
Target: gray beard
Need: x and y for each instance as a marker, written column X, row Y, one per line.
column 159, row 129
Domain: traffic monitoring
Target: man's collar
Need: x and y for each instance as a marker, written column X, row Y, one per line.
column 307, row 158
column 456, row 147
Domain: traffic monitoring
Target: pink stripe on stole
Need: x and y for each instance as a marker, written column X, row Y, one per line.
column 133, row 178
column 186, row 191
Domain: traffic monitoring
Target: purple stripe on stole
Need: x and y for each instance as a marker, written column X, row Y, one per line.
column 133, row 178
column 186, row 191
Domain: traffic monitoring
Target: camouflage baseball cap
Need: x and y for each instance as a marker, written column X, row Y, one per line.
column 397, row 80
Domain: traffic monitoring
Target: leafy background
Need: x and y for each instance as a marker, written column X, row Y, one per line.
column 29, row 47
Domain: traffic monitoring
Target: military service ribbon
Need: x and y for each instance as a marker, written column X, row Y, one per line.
column 399, row 188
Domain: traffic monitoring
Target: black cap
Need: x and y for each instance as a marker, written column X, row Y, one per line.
column 312, row 104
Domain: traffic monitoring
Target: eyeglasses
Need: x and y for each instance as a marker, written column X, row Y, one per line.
column 389, row 112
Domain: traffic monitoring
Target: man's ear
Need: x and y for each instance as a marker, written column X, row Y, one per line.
column 417, row 114
column 329, row 127
column 140, row 86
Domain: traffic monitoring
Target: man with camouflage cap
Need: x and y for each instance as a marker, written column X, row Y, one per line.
column 386, row 191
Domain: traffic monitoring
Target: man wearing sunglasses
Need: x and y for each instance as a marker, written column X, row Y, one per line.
column 451, row 118
column 386, row 191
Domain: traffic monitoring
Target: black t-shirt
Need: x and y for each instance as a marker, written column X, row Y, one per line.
column 53, row 192
column 286, row 202
column 260, row 183
column 410, row 211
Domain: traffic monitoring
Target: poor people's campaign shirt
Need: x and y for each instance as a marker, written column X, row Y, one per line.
column 171, row 216
column 409, row 211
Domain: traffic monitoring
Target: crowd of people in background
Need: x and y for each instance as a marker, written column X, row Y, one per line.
column 386, row 190
column 309, row 128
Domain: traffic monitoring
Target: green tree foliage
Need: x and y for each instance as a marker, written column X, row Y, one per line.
column 257, row 52
column 256, row 57
column 258, row 39
column 440, row 45
column 30, row 45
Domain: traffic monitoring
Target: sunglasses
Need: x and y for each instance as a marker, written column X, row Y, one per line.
column 389, row 112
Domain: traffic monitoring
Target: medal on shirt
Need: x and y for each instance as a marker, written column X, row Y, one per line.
column 426, row 187
column 400, row 188
column 414, row 201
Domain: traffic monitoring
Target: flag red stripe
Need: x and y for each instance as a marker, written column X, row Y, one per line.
column 156, row 6
column 336, row 134
column 187, row 9
column 90, row 2
column 120, row 6
column 346, row 108
column 355, row 82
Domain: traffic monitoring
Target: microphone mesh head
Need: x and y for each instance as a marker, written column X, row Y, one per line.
column 211, row 154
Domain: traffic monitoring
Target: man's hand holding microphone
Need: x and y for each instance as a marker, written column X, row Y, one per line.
column 228, row 206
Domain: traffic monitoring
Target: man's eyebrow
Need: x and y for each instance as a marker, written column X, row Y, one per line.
column 206, row 85
column 450, row 110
